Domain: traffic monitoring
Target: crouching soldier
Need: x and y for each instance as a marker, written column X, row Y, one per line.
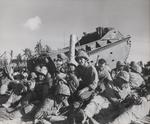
column 120, row 66
column 41, row 88
column 42, row 83
column 72, row 80
column 136, row 80
column 19, row 92
column 103, row 73
column 61, row 63
column 87, row 75
column 111, row 99
column 62, row 88
column 120, row 95
column 117, row 90
column 53, row 105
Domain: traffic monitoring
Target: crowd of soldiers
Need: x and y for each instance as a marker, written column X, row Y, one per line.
column 78, row 92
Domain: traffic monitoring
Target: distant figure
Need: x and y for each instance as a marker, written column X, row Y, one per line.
column 132, row 63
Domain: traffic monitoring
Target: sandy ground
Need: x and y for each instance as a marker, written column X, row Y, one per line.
column 15, row 117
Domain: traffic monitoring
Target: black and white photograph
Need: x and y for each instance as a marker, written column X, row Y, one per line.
column 74, row 61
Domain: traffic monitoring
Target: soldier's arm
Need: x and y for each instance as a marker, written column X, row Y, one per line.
column 94, row 79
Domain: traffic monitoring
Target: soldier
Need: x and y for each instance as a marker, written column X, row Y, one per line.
column 87, row 75
column 31, row 86
column 106, row 65
column 53, row 104
column 132, row 63
column 62, row 88
column 103, row 73
column 20, row 90
column 136, row 79
column 115, row 93
column 41, row 88
column 119, row 89
column 88, row 80
column 4, row 81
column 119, row 67
column 32, row 81
column 71, row 77
column 61, row 63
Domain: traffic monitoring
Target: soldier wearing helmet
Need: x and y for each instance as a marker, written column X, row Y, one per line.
column 120, row 66
column 53, row 104
column 40, row 80
column 32, row 81
column 103, row 73
column 136, row 79
column 71, row 78
column 43, row 83
column 118, row 89
column 122, row 84
column 88, row 75
column 61, row 63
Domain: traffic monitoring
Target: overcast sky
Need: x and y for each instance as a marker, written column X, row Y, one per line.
column 24, row 22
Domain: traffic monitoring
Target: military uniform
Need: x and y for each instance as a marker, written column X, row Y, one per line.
column 88, row 75
column 115, row 91
column 104, row 74
column 53, row 104
column 73, row 82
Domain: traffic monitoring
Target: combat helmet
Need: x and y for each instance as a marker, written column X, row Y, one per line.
column 136, row 68
column 124, row 75
column 82, row 54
